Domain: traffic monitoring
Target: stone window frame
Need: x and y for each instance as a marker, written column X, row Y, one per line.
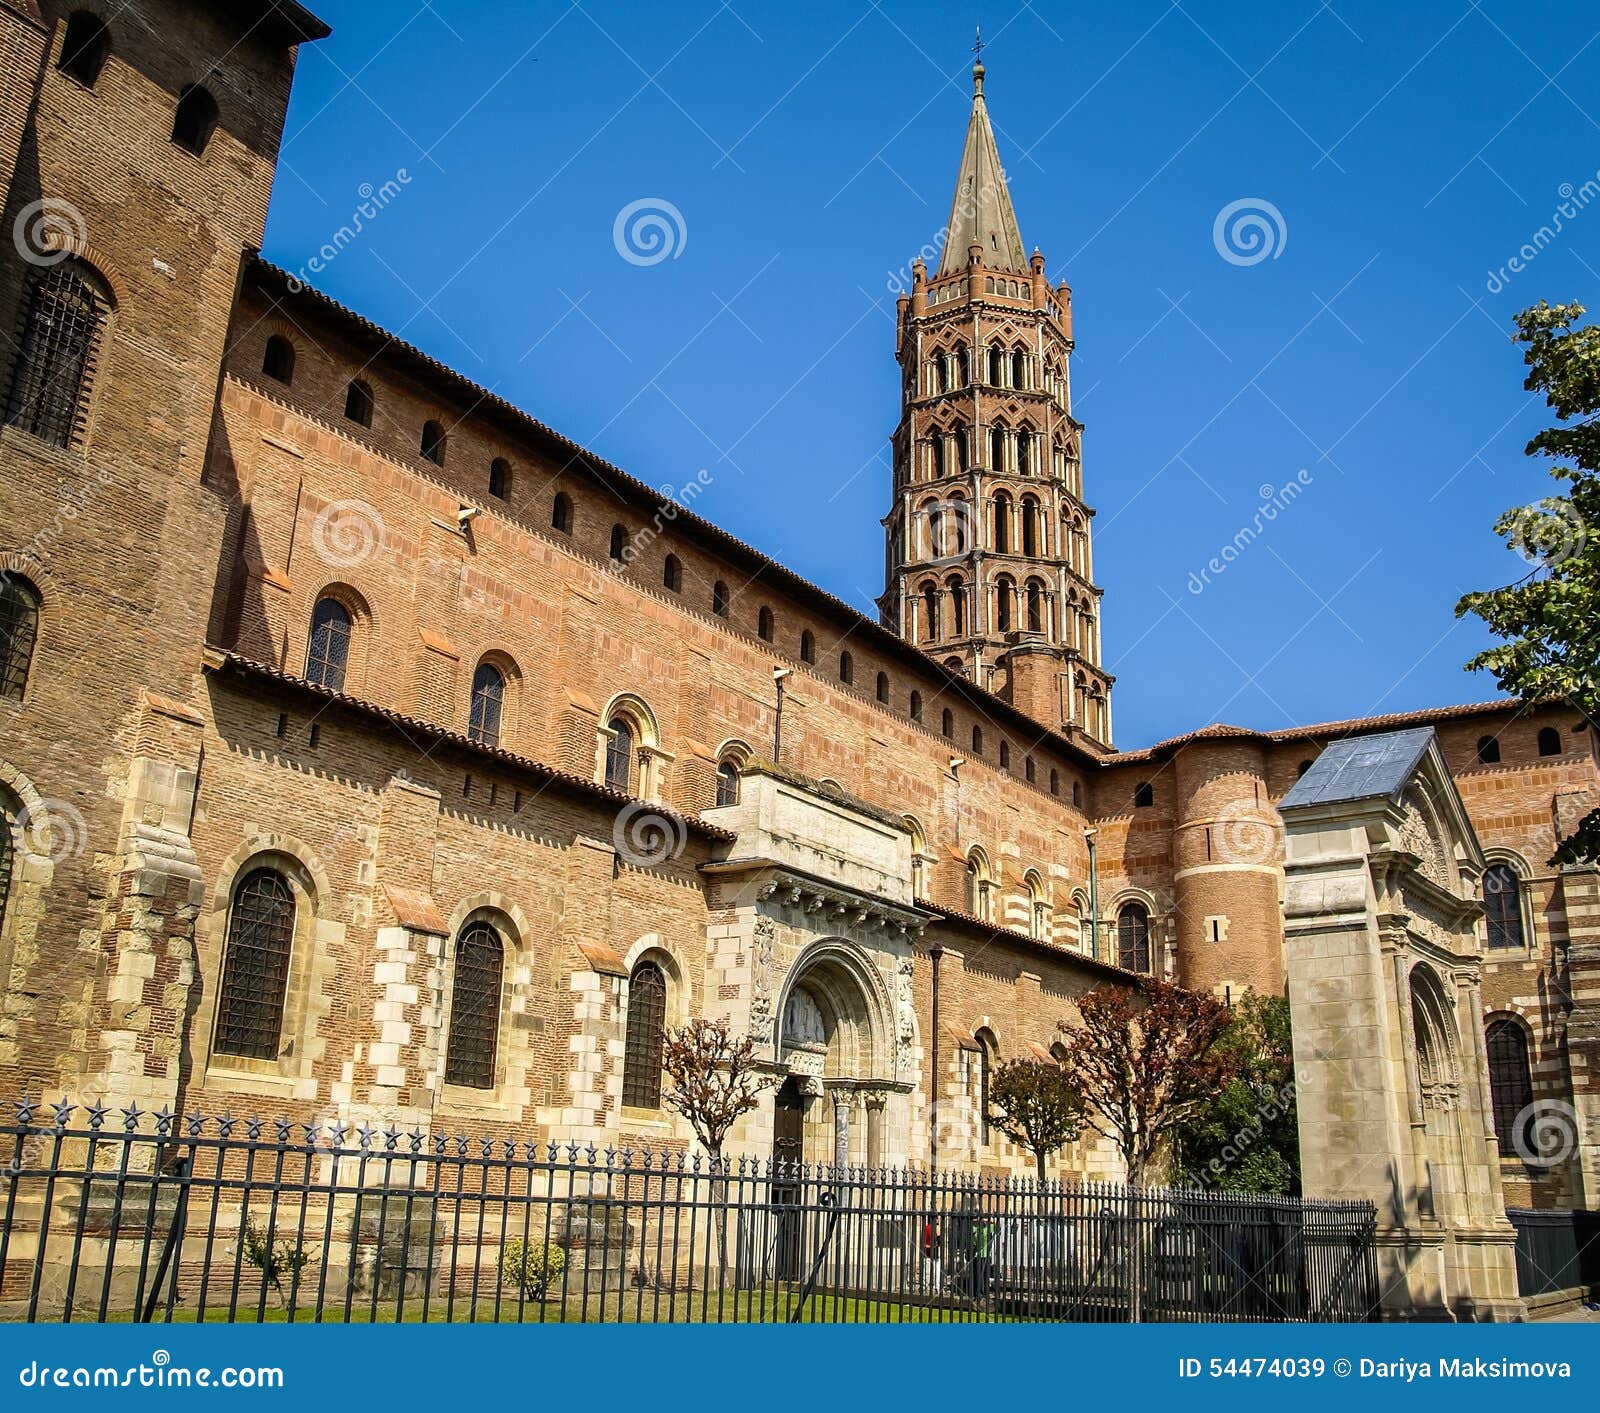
column 362, row 626
column 1039, row 906
column 1530, row 937
column 652, row 947
column 1156, row 922
column 310, row 886
column 648, row 777
column 514, row 1059
column 32, row 872
column 510, row 699
column 1530, row 1041
column 981, row 882
column 736, row 753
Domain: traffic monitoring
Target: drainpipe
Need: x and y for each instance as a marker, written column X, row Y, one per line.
column 934, row 953
column 1094, row 897
column 778, row 674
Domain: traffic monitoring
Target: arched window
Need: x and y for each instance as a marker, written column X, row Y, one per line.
column 61, row 334
column 1133, row 938
column 1005, row 593
column 561, row 513
column 930, row 612
column 1549, row 741
column 727, row 782
column 997, row 449
column 956, row 535
column 808, row 647
column 958, row 434
column 278, row 361
column 328, row 650
column 1005, row 755
column 977, row 740
column 1028, row 769
column 619, row 754
column 919, row 853
column 1144, row 795
column 1019, row 369
column 488, row 704
column 1038, row 907
column 433, row 442
column 672, row 574
column 847, row 667
column 1510, row 1085
column 719, row 599
column 255, row 966
column 1488, row 750
column 475, row 1008
column 963, row 365
column 1035, row 606
column 916, row 706
column 1502, row 906
column 1030, row 527
column 997, row 365
column 1002, row 523
column 980, row 886
column 958, row 605
column 19, row 631
column 85, row 47
column 1024, row 454
column 943, row 365
column 947, row 724
column 764, row 627
column 358, row 404
column 500, row 478
column 194, row 120
column 1301, row 769
column 647, row 1027
column 881, row 689
column 940, row 466
column 619, row 543
column 987, row 1046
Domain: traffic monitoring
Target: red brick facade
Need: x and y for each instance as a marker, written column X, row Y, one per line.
column 168, row 742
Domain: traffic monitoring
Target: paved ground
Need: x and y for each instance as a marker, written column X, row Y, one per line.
column 1573, row 1317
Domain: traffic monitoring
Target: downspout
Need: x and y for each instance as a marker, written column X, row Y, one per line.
column 778, row 675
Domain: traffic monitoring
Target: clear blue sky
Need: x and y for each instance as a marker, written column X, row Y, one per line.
column 1411, row 149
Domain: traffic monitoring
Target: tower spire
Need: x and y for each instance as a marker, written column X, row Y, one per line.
column 981, row 212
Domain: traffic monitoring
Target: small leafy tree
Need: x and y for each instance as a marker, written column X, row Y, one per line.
column 1034, row 1104
column 715, row 1083
column 1549, row 620
column 714, row 1077
column 1145, row 1060
column 274, row 1259
column 532, row 1267
column 1246, row 1138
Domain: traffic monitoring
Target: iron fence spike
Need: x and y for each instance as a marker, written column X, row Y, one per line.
column 64, row 1111
column 225, row 1123
column 164, row 1121
column 25, row 1108
column 96, row 1114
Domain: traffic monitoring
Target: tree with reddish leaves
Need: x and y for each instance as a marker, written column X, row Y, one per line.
column 714, row 1077
column 1144, row 1060
column 1035, row 1105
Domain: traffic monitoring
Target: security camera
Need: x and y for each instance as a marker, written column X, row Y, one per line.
column 779, row 673
column 1090, row 833
column 956, row 762
column 466, row 514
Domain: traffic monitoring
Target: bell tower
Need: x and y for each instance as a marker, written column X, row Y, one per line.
column 987, row 543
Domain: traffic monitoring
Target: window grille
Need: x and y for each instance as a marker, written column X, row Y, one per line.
column 255, row 973
column 474, row 1008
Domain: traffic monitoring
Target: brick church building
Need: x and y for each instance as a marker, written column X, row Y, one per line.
column 370, row 749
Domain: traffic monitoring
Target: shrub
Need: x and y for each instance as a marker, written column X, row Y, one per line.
column 274, row 1260
column 531, row 1267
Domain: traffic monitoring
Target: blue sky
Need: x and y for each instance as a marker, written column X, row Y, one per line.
column 1409, row 151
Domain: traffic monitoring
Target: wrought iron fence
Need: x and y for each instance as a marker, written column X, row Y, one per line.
column 155, row 1216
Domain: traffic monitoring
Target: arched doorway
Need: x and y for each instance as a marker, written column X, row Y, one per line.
column 834, row 1040
column 1438, row 1080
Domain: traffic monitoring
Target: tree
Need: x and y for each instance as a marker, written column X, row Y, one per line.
column 1033, row 1104
column 1145, row 1059
column 1246, row 1138
column 1550, row 619
column 715, row 1081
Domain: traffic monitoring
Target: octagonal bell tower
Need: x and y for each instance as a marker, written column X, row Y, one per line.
column 987, row 544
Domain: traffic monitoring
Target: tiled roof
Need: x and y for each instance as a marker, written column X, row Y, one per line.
column 220, row 660
column 1006, row 934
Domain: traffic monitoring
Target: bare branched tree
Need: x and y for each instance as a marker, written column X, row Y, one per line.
column 714, row 1077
